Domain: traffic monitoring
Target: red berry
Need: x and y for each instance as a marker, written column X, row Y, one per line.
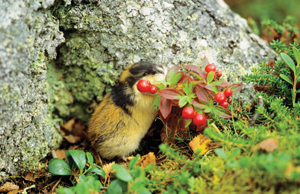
column 188, row 113
column 228, row 92
column 214, row 75
column 219, row 74
column 220, row 97
column 143, row 86
column 199, row 119
column 229, row 100
column 224, row 104
column 210, row 67
column 153, row 90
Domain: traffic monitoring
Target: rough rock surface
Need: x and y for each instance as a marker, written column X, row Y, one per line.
column 26, row 132
column 104, row 36
column 101, row 38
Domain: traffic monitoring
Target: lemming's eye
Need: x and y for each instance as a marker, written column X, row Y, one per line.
column 145, row 74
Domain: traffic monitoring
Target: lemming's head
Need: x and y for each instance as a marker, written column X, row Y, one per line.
column 142, row 70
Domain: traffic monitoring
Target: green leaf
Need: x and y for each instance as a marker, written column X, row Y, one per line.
column 70, row 160
column 156, row 103
column 187, row 88
column 62, row 190
column 138, row 173
column 98, row 170
column 298, row 91
column 298, row 71
column 144, row 191
column 90, row 158
column 175, row 78
column 200, row 105
column 122, row 173
column 182, row 101
column 82, row 187
column 210, row 76
column 190, row 98
column 298, row 79
column 218, row 82
column 116, row 187
column 297, row 54
column 286, row 79
column 221, row 153
column 207, row 110
column 79, row 158
column 59, row 167
column 133, row 161
column 221, row 111
column 171, row 73
column 289, row 61
column 82, row 177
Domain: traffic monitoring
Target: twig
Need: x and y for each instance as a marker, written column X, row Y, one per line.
column 52, row 190
column 216, row 128
column 255, row 116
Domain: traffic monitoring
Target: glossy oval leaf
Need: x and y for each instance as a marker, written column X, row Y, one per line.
column 79, row 158
column 114, row 187
column 203, row 94
column 236, row 88
column 182, row 101
column 133, row 161
column 200, row 105
column 156, row 103
column 59, row 167
column 98, row 170
column 221, row 111
column 210, row 76
column 288, row 60
column 170, row 94
column 175, row 78
column 165, row 107
column 82, row 187
column 90, row 158
column 297, row 54
column 196, row 69
column 298, row 71
column 122, row 173
column 286, row 78
column 171, row 73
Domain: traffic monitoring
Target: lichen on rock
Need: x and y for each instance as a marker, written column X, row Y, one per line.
column 28, row 38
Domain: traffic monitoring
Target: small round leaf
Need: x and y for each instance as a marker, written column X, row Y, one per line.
column 59, row 167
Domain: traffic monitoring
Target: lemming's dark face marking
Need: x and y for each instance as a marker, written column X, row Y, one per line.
column 121, row 98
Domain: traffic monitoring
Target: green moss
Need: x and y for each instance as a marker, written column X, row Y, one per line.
column 79, row 80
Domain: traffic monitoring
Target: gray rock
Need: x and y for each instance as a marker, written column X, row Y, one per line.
column 26, row 36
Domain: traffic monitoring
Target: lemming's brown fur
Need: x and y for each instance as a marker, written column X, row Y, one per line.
column 124, row 116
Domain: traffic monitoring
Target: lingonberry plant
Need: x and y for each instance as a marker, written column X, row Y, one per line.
column 196, row 93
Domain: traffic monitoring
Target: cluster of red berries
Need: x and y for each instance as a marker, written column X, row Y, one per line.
column 145, row 86
column 190, row 113
column 212, row 67
column 221, row 97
